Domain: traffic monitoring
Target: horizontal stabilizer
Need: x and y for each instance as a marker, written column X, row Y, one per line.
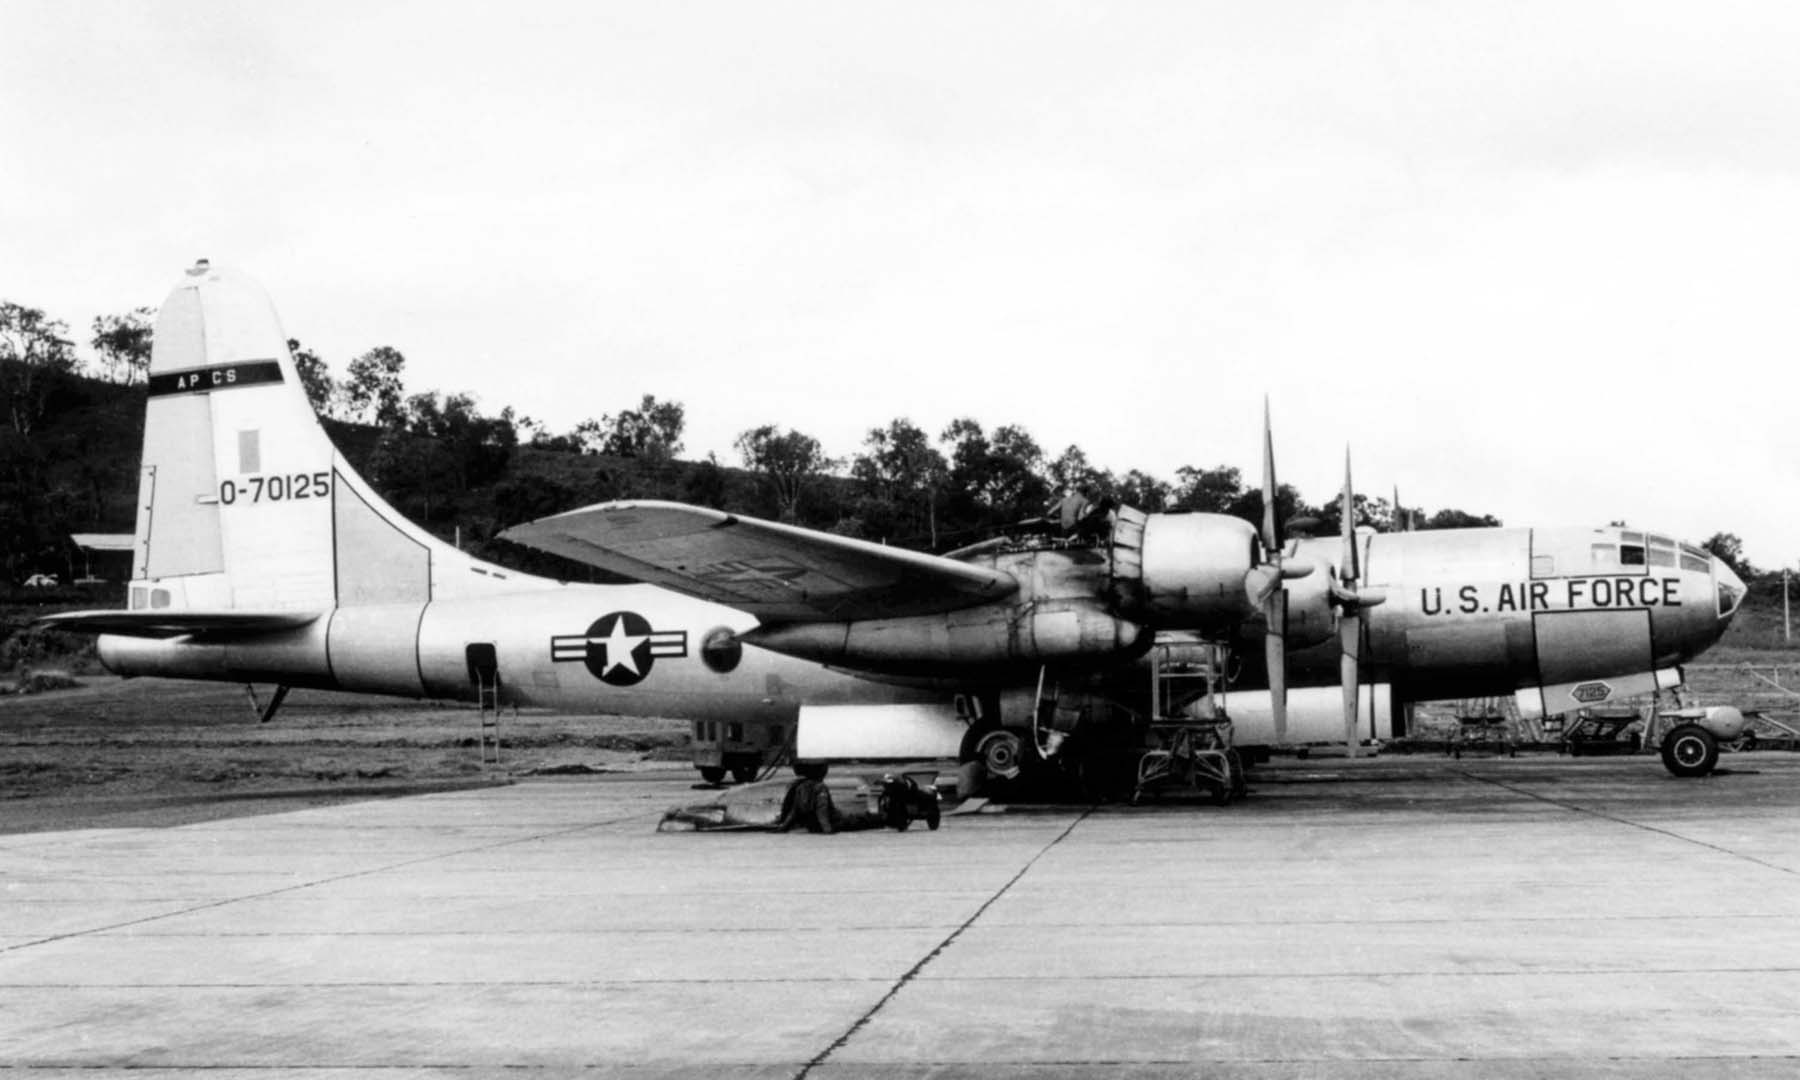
column 167, row 624
column 779, row 573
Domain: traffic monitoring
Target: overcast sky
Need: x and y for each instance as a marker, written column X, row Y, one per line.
column 1539, row 260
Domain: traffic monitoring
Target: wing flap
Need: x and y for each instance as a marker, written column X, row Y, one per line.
column 168, row 624
column 779, row 573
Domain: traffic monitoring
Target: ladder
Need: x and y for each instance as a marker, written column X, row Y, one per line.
column 1183, row 672
column 487, row 697
column 484, row 672
column 1189, row 737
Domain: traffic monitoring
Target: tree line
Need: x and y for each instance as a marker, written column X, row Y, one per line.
column 445, row 462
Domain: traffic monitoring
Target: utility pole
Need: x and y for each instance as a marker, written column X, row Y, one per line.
column 1787, row 626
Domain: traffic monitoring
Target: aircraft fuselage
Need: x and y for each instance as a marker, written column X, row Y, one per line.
column 583, row 649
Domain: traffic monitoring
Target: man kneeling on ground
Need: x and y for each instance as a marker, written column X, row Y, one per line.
column 808, row 802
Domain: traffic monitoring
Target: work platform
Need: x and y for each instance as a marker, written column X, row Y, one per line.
column 1370, row 918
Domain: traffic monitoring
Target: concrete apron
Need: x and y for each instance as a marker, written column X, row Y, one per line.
column 1373, row 918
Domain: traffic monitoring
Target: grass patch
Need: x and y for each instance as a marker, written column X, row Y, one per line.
column 41, row 682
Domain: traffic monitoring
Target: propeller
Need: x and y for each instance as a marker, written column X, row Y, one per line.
column 1264, row 586
column 1350, row 601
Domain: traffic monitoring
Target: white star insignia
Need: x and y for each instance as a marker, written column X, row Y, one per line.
column 620, row 646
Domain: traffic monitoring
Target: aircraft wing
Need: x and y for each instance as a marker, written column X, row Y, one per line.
column 779, row 573
column 168, row 624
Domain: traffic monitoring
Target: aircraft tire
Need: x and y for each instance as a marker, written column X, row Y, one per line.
column 1690, row 750
column 743, row 774
column 932, row 816
column 713, row 774
column 1002, row 750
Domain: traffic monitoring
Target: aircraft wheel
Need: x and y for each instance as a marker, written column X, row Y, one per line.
column 713, row 774
column 743, row 774
column 1690, row 750
column 932, row 816
column 1003, row 752
column 1239, row 784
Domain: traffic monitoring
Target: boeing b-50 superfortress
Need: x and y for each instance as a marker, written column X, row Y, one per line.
column 261, row 556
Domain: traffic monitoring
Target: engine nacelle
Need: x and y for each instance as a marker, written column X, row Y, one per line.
column 1310, row 618
column 1189, row 571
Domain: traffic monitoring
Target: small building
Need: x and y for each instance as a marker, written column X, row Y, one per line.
column 109, row 553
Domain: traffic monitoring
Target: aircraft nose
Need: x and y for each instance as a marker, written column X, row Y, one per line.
column 1729, row 588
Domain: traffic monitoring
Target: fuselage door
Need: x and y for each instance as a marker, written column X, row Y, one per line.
column 484, row 669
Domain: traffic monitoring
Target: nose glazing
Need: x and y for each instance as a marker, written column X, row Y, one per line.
column 1728, row 587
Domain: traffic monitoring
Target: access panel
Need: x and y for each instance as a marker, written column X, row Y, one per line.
column 1577, row 645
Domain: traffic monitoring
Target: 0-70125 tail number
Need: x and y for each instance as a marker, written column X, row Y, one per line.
column 277, row 488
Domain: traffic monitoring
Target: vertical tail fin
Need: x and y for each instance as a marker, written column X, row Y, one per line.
column 243, row 501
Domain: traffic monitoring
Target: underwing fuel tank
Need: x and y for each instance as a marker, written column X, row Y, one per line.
column 1057, row 617
column 974, row 639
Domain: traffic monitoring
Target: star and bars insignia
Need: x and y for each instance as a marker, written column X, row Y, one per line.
column 619, row 648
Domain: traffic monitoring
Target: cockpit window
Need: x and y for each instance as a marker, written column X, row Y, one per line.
column 1694, row 562
column 1662, row 551
column 1631, row 554
column 1631, row 537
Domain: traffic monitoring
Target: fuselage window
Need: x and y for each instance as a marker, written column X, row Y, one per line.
column 1605, row 555
column 159, row 598
column 1543, row 566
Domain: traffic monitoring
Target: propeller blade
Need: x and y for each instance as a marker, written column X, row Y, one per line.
column 1350, row 650
column 1402, row 523
column 1271, row 534
column 1350, row 609
column 1275, row 654
column 1349, row 568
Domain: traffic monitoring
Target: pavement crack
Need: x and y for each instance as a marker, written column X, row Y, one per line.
column 1576, row 808
column 913, row 972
